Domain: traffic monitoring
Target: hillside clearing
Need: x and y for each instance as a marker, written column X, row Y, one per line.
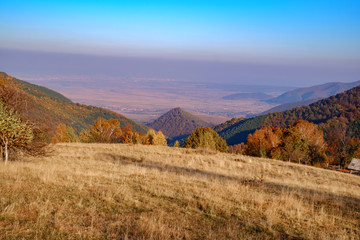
column 119, row 191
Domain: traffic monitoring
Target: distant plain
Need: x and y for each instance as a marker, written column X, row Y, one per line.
column 145, row 99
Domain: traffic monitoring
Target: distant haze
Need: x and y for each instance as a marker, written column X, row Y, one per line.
column 142, row 58
column 39, row 64
column 272, row 42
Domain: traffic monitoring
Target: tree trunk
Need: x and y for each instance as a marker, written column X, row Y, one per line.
column 6, row 152
column 1, row 153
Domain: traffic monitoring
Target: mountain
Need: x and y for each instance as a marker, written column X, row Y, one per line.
column 287, row 106
column 240, row 96
column 178, row 122
column 344, row 105
column 213, row 119
column 47, row 108
column 314, row 92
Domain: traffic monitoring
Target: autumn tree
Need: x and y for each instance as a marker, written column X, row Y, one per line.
column 153, row 138
column 207, row 138
column 16, row 100
column 357, row 151
column 12, row 98
column 14, row 134
column 177, row 144
column 341, row 146
column 131, row 136
column 263, row 142
column 237, row 149
column 303, row 142
column 103, row 131
column 64, row 134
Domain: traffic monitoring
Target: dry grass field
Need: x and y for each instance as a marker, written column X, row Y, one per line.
column 118, row 191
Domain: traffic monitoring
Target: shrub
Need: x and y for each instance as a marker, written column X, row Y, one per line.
column 206, row 138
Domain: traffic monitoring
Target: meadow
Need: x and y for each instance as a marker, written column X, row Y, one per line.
column 120, row 191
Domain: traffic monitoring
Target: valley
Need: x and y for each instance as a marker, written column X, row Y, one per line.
column 144, row 100
column 157, row 120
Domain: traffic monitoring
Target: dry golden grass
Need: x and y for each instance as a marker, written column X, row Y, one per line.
column 118, row 191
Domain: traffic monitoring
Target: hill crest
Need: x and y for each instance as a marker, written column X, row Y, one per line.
column 178, row 122
column 346, row 105
column 313, row 92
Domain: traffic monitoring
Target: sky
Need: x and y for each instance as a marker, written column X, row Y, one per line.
column 300, row 38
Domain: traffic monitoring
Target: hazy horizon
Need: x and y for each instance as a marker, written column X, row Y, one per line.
column 290, row 43
column 37, row 65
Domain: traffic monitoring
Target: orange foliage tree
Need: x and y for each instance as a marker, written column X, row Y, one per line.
column 131, row 136
column 301, row 142
column 263, row 142
column 237, row 149
column 341, row 147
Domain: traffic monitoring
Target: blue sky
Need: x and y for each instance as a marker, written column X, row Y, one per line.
column 300, row 33
column 224, row 30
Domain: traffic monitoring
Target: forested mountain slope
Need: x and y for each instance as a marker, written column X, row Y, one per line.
column 344, row 106
column 46, row 108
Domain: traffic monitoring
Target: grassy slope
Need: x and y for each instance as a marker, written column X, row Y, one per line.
column 97, row 191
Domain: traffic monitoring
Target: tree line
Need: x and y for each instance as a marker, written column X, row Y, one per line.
column 303, row 142
column 108, row 131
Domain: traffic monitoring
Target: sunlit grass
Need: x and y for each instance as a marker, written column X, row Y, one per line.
column 118, row 191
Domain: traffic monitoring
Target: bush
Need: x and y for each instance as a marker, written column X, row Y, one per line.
column 206, row 138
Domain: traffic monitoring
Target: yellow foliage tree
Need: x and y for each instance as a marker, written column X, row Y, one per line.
column 103, row 131
column 153, row 138
column 64, row 134
column 13, row 132
column 177, row 144
column 206, row 138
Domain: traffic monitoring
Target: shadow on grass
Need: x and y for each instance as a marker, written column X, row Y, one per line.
column 140, row 162
column 324, row 197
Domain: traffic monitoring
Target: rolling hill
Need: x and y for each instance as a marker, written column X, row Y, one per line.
column 47, row 108
column 287, row 106
column 314, row 92
column 239, row 96
column 120, row 191
column 177, row 122
column 346, row 105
